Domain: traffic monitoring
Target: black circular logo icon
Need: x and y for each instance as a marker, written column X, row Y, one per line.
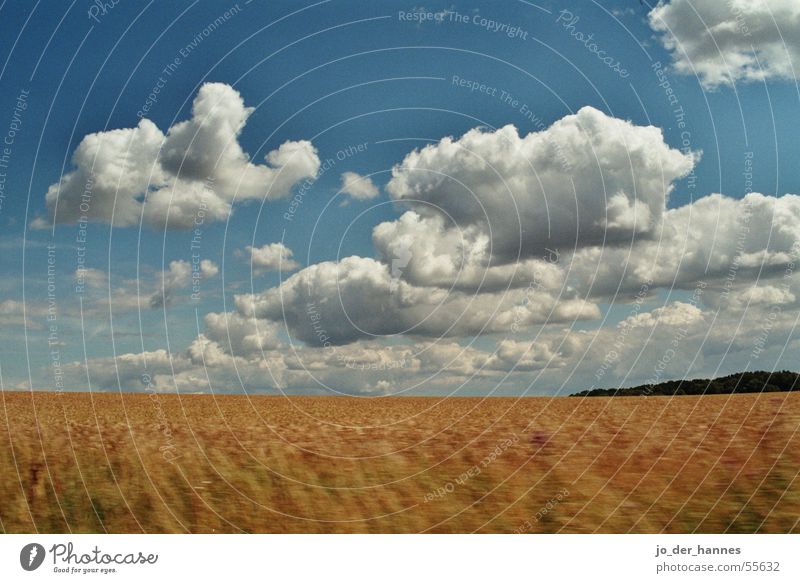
column 31, row 556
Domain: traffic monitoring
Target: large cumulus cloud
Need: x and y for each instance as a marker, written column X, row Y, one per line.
column 425, row 252
column 589, row 179
column 197, row 169
column 720, row 240
column 359, row 298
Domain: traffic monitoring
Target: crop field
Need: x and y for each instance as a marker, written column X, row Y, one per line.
column 79, row 462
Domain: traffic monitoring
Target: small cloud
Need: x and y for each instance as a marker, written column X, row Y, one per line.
column 40, row 224
column 179, row 276
column 271, row 257
column 14, row 313
column 358, row 187
column 623, row 12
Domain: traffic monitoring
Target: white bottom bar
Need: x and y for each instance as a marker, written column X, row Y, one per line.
column 404, row 558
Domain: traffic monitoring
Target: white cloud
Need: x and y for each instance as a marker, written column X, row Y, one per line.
column 744, row 253
column 672, row 340
column 358, row 298
column 162, row 289
column 714, row 239
column 674, row 314
column 131, row 371
column 447, row 271
column 358, row 187
column 179, row 276
column 528, row 356
column 723, row 42
column 239, row 335
column 589, row 179
column 271, row 257
column 197, row 170
column 361, row 367
column 424, row 252
column 14, row 313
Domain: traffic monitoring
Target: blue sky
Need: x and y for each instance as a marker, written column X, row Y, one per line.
column 340, row 75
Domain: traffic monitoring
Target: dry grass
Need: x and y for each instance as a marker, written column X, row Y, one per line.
column 94, row 463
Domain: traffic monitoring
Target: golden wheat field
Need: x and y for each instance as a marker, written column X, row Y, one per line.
column 170, row 463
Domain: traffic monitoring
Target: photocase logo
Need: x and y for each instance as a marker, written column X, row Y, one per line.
column 31, row 556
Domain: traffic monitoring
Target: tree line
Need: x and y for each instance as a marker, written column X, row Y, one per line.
column 742, row 382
